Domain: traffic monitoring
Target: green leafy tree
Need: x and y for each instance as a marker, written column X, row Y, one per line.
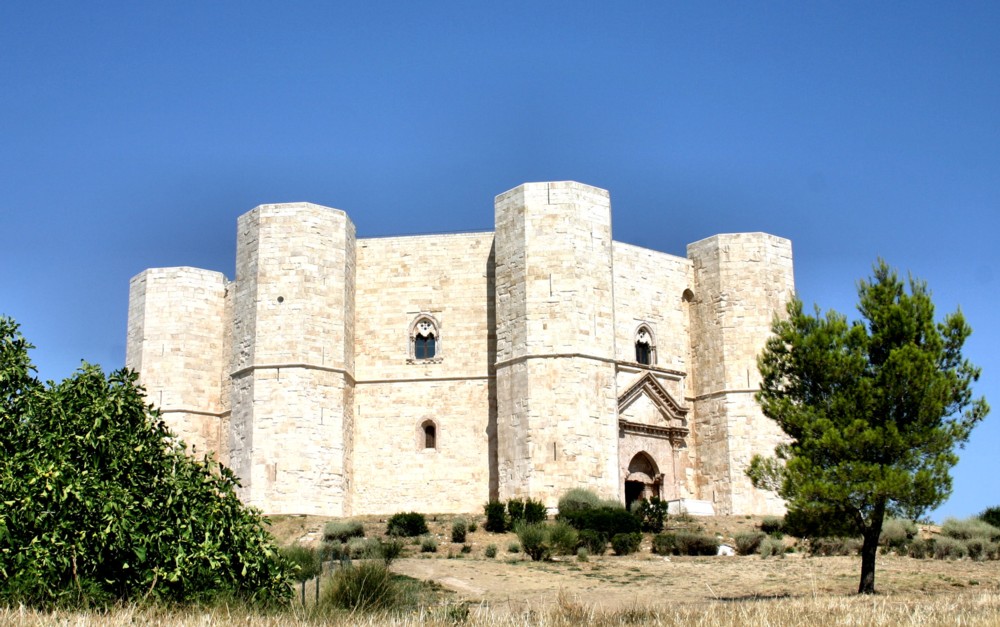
column 99, row 502
column 873, row 410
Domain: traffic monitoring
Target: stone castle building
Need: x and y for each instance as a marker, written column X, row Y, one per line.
column 346, row 376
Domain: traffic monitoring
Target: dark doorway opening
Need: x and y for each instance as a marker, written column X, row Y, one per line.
column 634, row 490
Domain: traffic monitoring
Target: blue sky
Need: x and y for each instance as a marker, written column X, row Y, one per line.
column 132, row 135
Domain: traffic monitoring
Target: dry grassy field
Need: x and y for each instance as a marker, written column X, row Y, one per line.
column 510, row 589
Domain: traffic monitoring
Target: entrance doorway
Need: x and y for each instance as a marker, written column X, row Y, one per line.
column 643, row 480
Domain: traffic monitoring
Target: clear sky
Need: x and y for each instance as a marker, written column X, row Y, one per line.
column 133, row 133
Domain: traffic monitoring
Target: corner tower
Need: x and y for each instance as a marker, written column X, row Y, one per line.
column 293, row 359
column 557, row 420
column 176, row 341
column 741, row 281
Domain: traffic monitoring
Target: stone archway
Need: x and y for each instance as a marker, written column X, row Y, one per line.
column 643, row 480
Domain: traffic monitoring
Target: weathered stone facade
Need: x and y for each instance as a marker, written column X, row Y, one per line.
column 341, row 376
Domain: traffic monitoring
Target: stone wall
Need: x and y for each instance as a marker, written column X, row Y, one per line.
column 448, row 278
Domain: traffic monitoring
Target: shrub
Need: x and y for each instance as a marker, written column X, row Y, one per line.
column 473, row 525
column 306, row 560
column 387, row 550
column 515, row 511
column 969, row 528
column 491, row 551
column 513, row 547
column 609, row 521
column 696, row 544
column 652, row 514
column 920, row 549
column 408, row 524
column 578, row 499
column 563, row 538
column 535, row 511
column 458, row 530
column 665, row 544
column 771, row 546
column 626, row 543
column 100, row 502
column 595, row 542
column 466, row 548
column 496, row 517
column 946, row 547
column 990, row 515
column 334, row 551
column 366, row 586
column 976, row 548
column 748, row 542
column 827, row 547
column 582, row 554
column 428, row 544
column 358, row 548
column 772, row 526
column 343, row 530
column 534, row 539
column 897, row 533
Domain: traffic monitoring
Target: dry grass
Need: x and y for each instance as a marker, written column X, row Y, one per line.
column 958, row 609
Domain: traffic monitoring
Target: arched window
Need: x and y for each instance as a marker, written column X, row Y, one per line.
column 429, row 430
column 425, row 338
column 644, row 346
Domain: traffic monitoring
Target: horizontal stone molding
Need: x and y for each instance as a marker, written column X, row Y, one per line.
column 197, row 412
column 718, row 393
column 483, row 377
column 674, row 434
column 301, row 366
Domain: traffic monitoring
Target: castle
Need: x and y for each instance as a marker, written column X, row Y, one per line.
column 345, row 376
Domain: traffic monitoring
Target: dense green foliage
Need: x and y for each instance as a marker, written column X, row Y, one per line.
column 534, row 539
column 873, row 410
column 607, row 520
column 407, row 525
column 563, row 537
column 626, row 543
column 595, row 542
column 101, row 503
column 689, row 543
column 991, row 515
column 459, row 530
column 306, row 561
column 496, row 517
column 748, row 542
column 665, row 544
column 652, row 513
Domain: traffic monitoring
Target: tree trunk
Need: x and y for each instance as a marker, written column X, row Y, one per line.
column 869, row 550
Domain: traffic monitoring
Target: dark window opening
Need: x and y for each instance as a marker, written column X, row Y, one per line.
column 423, row 347
column 430, row 435
column 642, row 353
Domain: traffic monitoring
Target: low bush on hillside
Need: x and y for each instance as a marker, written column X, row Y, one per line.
column 665, row 544
column 459, row 530
column 496, row 517
column 748, row 542
column 578, row 499
column 595, row 542
column 306, row 561
column 826, row 547
column 946, row 547
column 652, row 513
column 897, row 533
column 771, row 547
column 563, row 538
column 969, row 528
column 696, row 544
column 406, row 524
column 343, row 530
column 626, row 543
column 772, row 526
column 534, row 539
column 428, row 544
column 366, row 586
column 607, row 520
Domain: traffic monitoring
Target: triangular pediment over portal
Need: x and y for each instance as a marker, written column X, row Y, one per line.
column 647, row 408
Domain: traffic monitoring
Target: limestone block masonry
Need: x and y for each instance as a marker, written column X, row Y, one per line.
column 345, row 376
